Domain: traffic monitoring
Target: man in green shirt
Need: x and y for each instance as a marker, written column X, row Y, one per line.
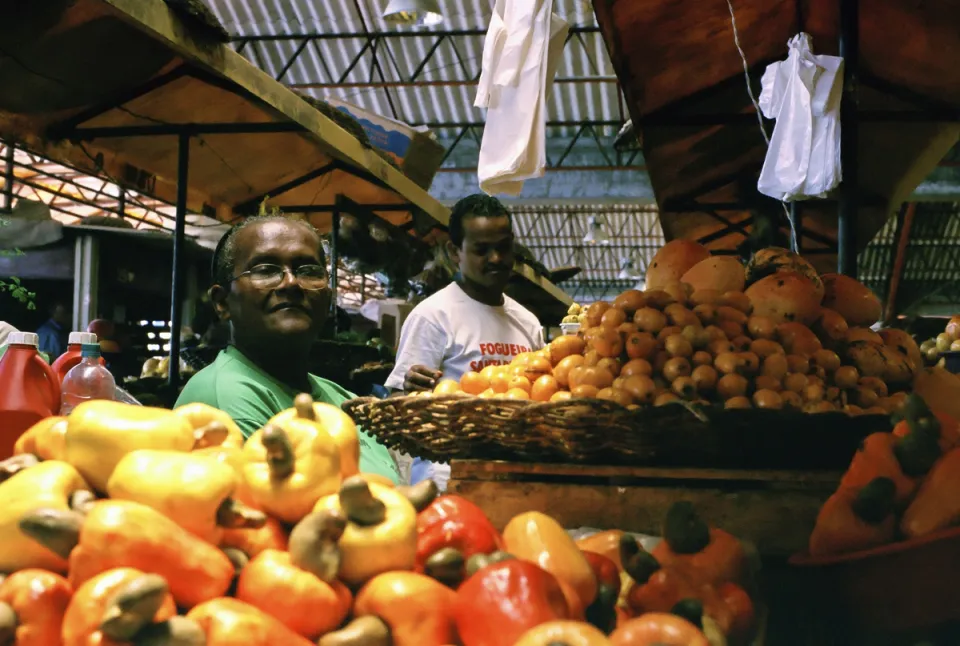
column 270, row 283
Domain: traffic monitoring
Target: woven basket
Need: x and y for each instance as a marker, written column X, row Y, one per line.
column 591, row 431
column 447, row 427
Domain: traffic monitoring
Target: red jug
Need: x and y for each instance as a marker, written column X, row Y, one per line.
column 72, row 357
column 29, row 389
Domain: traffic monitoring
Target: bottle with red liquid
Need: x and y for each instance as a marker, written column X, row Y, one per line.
column 72, row 357
column 29, row 389
column 87, row 380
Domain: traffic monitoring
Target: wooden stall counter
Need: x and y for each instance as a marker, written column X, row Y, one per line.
column 775, row 510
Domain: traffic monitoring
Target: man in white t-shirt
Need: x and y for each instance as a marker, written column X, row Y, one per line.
column 470, row 323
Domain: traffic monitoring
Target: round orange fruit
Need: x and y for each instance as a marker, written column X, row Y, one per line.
column 640, row 345
column 630, row 301
column 521, row 359
column 608, row 342
column 521, row 382
column 595, row 312
column 597, row 377
column 446, row 387
column 474, row 383
column 636, row 367
column 536, row 368
column 565, row 346
column 585, row 392
column 500, row 382
column 562, row 371
column 544, row 388
column 613, row 318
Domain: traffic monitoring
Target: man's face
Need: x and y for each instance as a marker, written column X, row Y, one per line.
column 487, row 257
column 260, row 314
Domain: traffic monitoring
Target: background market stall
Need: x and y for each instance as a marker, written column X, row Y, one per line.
column 184, row 115
column 683, row 78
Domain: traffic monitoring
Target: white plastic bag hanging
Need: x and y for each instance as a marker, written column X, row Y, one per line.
column 803, row 94
column 521, row 52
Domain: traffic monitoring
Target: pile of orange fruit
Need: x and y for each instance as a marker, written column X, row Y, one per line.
column 539, row 376
column 659, row 346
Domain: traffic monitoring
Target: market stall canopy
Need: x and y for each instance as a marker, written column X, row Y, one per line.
column 111, row 86
column 114, row 87
column 684, row 82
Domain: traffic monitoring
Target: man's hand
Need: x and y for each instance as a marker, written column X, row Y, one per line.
column 420, row 378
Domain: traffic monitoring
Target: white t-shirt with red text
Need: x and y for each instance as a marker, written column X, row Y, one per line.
column 454, row 334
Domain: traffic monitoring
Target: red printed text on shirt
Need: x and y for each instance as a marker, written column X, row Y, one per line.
column 500, row 350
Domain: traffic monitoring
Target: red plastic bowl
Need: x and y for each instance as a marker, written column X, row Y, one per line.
column 902, row 586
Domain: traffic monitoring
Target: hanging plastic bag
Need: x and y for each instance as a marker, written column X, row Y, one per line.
column 803, row 94
column 522, row 49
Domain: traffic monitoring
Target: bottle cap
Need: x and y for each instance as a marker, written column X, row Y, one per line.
column 81, row 338
column 23, row 338
column 90, row 350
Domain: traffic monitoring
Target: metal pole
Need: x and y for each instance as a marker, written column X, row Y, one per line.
column 383, row 85
column 904, row 225
column 176, row 298
column 435, row 33
column 122, row 204
column 8, row 177
column 335, row 260
column 849, row 139
column 796, row 217
column 86, row 280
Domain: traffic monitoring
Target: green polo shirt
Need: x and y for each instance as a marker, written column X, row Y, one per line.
column 251, row 397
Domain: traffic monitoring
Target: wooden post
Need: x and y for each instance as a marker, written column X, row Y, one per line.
column 849, row 140
column 904, row 224
column 176, row 305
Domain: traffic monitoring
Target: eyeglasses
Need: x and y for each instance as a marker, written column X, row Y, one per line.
column 309, row 277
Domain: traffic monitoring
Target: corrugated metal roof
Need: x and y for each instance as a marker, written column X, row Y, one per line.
column 555, row 235
column 456, row 59
column 444, row 93
column 931, row 270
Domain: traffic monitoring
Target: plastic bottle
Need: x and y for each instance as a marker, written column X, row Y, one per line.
column 87, row 380
column 29, row 389
column 72, row 357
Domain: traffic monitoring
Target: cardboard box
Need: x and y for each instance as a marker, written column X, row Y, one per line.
column 392, row 315
column 417, row 153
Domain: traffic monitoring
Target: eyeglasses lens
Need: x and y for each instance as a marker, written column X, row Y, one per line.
column 271, row 276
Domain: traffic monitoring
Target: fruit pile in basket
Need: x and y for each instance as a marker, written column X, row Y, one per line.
column 946, row 341
column 136, row 526
column 773, row 334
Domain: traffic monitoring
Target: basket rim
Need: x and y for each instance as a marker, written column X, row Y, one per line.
column 702, row 412
column 803, row 559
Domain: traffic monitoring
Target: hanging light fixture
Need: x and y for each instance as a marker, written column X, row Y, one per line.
column 595, row 231
column 628, row 269
column 421, row 13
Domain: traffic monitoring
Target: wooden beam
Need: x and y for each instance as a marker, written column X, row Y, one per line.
column 160, row 23
column 904, row 225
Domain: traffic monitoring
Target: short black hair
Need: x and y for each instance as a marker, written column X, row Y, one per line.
column 477, row 205
column 225, row 256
